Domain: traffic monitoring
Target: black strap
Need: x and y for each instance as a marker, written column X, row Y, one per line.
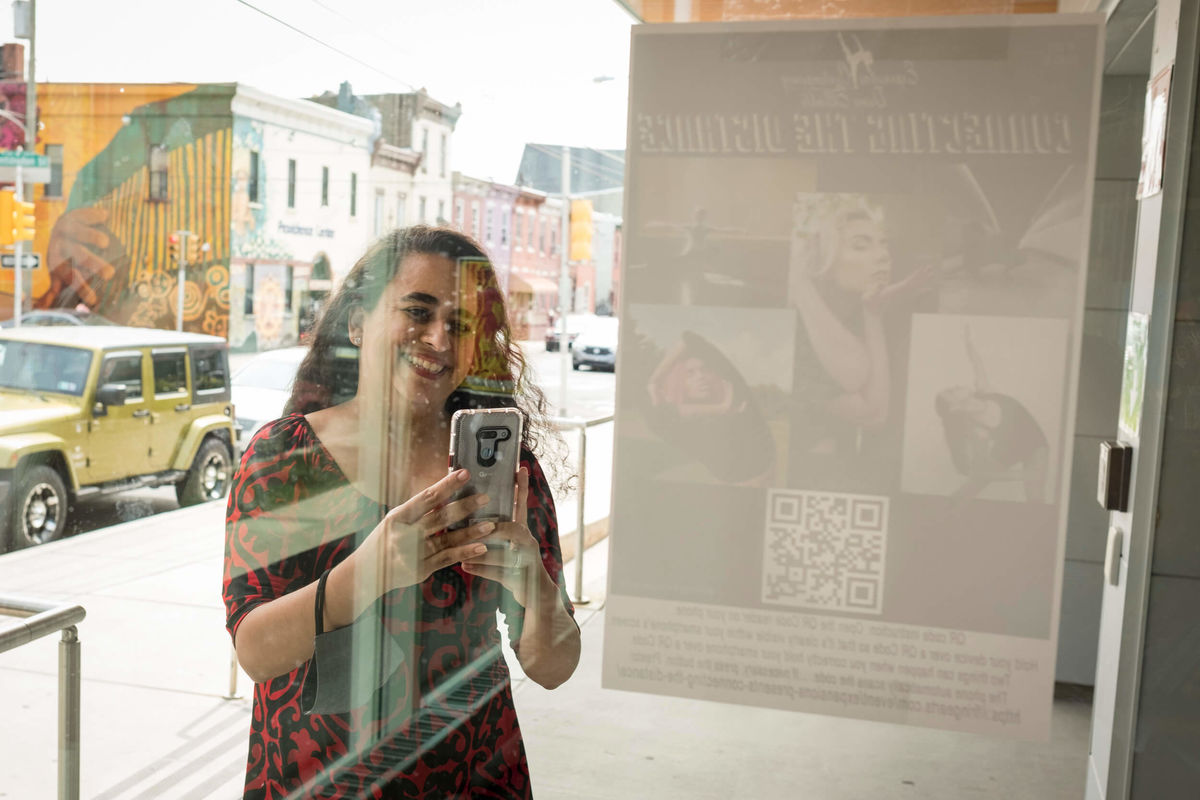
column 319, row 604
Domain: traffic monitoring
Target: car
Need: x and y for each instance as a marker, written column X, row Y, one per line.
column 49, row 317
column 575, row 325
column 261, row 388
column 114, row 409
column 596, row 346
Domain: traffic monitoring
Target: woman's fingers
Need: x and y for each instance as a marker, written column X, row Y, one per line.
column 430, row 498
column 521, row 506
column 444, row 516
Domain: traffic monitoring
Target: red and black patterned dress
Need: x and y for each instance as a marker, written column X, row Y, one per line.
column 292, row 514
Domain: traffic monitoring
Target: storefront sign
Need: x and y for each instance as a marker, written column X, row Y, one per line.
column 852, row 307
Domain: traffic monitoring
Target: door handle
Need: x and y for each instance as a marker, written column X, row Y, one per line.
column 141, row 412
column 183, row 407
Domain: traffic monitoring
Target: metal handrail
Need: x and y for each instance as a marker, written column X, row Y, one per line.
column 36, row 619
column 580, row 424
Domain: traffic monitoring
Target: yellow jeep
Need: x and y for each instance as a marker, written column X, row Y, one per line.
column 92, row 410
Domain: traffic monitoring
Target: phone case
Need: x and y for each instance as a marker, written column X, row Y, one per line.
column 487, row 443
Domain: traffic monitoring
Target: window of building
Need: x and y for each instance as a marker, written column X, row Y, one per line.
column 475, row 218
column 248, row 306
column 291, row 183
column 170, row 372
column 354, row 194
column 421, row 209
column 425, row 150
column 441, row 217
column 442, row 156
column 458, row 213
column 159, row 162
column 324, row 186
column 488, row 226
column 518, row 226
column 401, row 209
column 504, row 223
column 553, row 241
column 54, row 152
column 252, row 180
column 288, row 276
column 530, row 224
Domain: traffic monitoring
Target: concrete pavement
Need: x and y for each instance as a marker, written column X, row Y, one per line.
column 156, row 724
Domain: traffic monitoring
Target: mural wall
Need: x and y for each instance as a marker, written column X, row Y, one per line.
column 104, row 239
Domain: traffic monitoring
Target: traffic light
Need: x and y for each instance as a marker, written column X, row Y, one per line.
column 191, row 249
column 8, row 203
column 24, row 221
column 581, row 230
column 173, row 249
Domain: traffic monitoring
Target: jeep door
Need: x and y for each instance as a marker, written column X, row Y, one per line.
column 119, row 442
column 170, row 405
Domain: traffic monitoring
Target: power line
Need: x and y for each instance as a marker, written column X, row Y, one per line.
column 323, row 43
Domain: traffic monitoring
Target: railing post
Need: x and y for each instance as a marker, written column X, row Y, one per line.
column 68, row 714
column 580, row 535
column 233, row 674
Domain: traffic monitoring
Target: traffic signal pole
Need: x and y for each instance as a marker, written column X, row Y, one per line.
column 564, row 282
column 19, row 267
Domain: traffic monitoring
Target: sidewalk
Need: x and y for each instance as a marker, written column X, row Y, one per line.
column 155, row 724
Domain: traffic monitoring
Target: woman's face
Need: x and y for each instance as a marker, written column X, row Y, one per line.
column 862, row 261
column 423, row 330
column 700, row 383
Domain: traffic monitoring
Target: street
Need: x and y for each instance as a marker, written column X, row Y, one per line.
column 589, row 395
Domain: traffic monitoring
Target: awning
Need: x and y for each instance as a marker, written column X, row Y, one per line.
column 531, row 285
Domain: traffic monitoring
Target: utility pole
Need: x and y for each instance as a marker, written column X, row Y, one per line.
column 25, row 27
column 564, row 282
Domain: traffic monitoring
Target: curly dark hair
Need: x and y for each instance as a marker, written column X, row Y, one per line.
column 328, row 375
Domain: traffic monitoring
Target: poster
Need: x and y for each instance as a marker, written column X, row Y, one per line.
column 856, row 254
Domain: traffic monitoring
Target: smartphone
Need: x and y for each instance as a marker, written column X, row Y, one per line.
column 487, row 443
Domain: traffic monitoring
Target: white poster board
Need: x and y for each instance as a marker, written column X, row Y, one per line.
column 856, row 255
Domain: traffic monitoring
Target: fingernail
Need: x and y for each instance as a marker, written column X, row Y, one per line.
column 478, row 549
column 482, row 500
column 487, row 527
column 461, row 475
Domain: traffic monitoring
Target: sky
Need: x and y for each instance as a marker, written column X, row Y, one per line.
column 524, row 70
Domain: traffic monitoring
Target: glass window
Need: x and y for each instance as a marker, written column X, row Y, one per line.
column 425, row 150
column 123, row 370
column 353, row 194
column 488, row 233
column 209, row 370
column 170, row 372
column 158, row 164
column 421, row 210
column 248, row 306
column 252, row 181
column 475, row 218
column 504, row 226
column 291, row 197
column 288, row 275
column 324, row 186
column 458, row 213
column 27, row 366
column 441, row 217
column 442, row 156
column 53, row 188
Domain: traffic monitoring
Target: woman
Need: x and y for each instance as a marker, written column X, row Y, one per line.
column 371, row 633
column 992, row 436
column 700, row 403
column 841, row 282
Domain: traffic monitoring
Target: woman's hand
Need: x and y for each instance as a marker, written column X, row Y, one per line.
column 409, row 545
column 518, row 566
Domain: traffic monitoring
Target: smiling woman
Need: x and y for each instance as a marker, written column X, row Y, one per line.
column 366, row 618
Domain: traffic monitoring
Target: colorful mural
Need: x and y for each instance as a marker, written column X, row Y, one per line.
column 104, row 241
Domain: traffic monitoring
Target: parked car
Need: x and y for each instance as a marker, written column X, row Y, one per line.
column 261, row 389
column 114, row 409
column 575, row 325
column 596, row 346
column 56, row 316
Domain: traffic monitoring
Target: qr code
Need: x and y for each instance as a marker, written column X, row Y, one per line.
column 825, row 550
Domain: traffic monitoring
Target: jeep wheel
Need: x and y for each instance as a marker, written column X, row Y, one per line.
column 208, row 479
column 39, row 507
